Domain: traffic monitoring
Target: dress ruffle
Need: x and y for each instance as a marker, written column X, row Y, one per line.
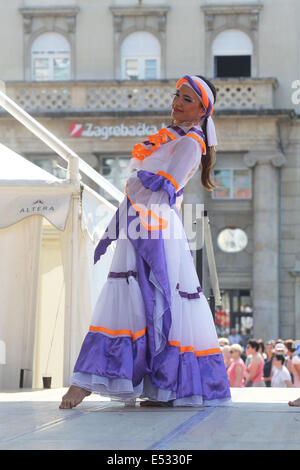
column 117, row 367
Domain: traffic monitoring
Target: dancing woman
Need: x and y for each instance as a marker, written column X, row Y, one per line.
column 152, row 334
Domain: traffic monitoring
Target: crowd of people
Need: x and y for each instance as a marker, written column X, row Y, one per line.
column 255, row 363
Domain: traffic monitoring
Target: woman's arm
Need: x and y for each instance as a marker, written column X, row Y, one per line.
column 184, row 161
column 253, row 372
column 238, row 375
column 297, row 368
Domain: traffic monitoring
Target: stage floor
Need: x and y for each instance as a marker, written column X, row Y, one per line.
column 258, row 418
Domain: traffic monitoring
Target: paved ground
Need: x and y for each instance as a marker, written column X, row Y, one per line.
column 257, row 419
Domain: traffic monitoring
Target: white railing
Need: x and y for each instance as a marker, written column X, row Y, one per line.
column 142, row 95
column 75, row 163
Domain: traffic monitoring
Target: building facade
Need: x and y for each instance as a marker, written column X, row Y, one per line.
column 100, row 75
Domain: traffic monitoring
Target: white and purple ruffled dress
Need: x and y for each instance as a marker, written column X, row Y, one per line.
column 152, row 333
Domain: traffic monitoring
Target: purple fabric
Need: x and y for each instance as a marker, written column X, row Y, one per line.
column 184, row 374
column 122, row 274
column 194, row 295
column 177, row 129
column 215, row 383
column 110, row 234
column 156, row 182
column 146, row 142
column 187, row 375
column 197, row 131
column 118, row 357
column 192, row 129
column 150, row 256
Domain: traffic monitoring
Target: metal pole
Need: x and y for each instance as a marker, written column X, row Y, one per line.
column 211, row 301
column 199, row 251
column 211, row 261
column 199, row 265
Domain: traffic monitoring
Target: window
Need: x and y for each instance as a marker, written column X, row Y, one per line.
column 116, row 170
column 232, row 53
column 50, row 57
column 232, row 66
column 140, row 57
column 132, row 69
column 236, row 312
column 232, row 184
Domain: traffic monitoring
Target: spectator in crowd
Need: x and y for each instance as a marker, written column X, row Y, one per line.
column 269, row 348
column 296, row 364
column 254, row 371
column 248, row 358
column 261, row 349
column 293, row 362
column 235, row 337
column 280, row 375
column 226, row 355
column 223, row 342
column 280, row 348
column 246, row 335
column 290, row 349
column 236, row 367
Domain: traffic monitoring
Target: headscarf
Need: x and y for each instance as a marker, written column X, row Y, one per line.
column 206, row 96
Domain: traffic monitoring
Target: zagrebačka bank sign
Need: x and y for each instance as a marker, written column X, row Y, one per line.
column 105, row 132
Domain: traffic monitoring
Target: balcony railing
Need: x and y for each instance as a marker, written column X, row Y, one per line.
column 142, row 95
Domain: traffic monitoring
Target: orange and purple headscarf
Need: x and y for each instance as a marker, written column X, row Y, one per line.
column 206, row 96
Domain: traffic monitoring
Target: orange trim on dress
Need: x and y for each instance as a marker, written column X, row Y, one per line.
column 145, row 213
column 102, row 329
column 170, row 178
column 196, row 137
column 165, row 131
column 139, row 150
column 153, row 227
column 204, row 352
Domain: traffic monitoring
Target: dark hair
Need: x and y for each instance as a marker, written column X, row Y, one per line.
column 209, row 160
column 261, row 344
column 289, row 343
column 280, row 357
column 253, row 343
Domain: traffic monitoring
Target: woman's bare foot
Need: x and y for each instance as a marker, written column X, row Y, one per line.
column 73, row 397
column 295, row 402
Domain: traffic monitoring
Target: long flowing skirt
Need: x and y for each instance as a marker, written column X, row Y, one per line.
column 152, row 333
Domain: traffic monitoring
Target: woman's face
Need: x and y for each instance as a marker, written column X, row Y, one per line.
column 235, row 354
column 226, row 353
column 269, row 349
column 186, row 106
column 250, row 351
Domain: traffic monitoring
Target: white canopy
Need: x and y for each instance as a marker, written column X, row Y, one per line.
column 26, row 189
column 28, row 195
